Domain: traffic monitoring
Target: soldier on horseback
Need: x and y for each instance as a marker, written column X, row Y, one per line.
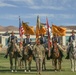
column 11, row 39
column 56, row 40
column 42, row 39
column 71, row 39
column 27, row 40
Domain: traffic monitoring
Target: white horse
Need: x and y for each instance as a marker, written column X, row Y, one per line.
column 72, row 55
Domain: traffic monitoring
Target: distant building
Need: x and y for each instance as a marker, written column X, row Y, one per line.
column 4, row 38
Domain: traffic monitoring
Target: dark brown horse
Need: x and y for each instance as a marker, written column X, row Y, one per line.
column 13, row 54
column 56, row 57
column 27, row 57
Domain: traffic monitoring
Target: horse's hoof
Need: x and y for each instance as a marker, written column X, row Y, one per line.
column 55, row 70
column 25, row 71
column 59, row 70
column 72, row 70
column 12, row 71
column 29, row 70
column 15, row 70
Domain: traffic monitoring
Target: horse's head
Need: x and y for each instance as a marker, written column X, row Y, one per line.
column 12, row 46
column 71, row 48
column 56, row 52
column 27, row 49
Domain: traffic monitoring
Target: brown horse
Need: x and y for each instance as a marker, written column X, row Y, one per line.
column 27, row 57
column 13, row 54
column 56, row 57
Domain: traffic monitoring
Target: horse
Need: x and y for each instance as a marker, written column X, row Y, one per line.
column 72, row 56
column 27, row 57
column 56, row 57
column 13, row 54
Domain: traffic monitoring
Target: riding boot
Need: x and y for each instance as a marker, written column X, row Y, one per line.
column 6, row 56
column 61, row 53
column 67, row 57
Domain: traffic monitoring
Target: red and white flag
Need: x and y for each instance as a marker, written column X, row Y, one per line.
column 49, row 32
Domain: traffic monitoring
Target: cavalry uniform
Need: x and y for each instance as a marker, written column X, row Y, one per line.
column 57, row 40
column 71, row 40
column 12, row 39
column 42, row 40
column 26, row 41
column 39, row 53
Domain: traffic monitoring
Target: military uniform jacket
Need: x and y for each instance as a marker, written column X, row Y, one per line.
column 12, row 38
column 26, row 41
column 42, row 40
column 72, row 40
column 39, row 51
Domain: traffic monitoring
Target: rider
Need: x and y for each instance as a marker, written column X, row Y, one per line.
column 27, row 40
column 42, row 39
column 56, row 39
column 11, row 39
column 71, row 39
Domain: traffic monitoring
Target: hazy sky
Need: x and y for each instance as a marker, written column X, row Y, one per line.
column 59, row 12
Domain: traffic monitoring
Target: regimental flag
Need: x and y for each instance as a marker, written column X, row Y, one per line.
column 42, row 28
column 60, row 31
column 49, row 32
column 21, row 30
column 28, row 29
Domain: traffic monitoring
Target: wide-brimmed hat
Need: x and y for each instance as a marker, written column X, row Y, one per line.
column 27, row 34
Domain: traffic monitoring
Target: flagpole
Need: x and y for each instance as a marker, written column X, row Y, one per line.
column 48, row 27
column 20, row 33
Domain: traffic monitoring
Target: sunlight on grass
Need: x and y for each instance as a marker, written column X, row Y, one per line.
column 5, row 68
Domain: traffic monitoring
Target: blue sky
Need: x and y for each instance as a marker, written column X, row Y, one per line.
column 59, row 12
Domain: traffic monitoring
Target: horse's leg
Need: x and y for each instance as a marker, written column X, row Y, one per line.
column 75, row 64
column 59, row 64
column 43, row 64
column 11, row 63
column 21, row 63
column 29, row 64
column 72, row 65
column 15, row 64
column 55, row 64
column 25, row 65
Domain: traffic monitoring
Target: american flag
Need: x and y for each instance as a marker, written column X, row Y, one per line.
column 21, row 30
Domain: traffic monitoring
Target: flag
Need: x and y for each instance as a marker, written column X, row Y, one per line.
column 37, row 27
column 40, row 28
column 48, row 31
column 28, row 29
column 21, row 30
column 61, row 31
